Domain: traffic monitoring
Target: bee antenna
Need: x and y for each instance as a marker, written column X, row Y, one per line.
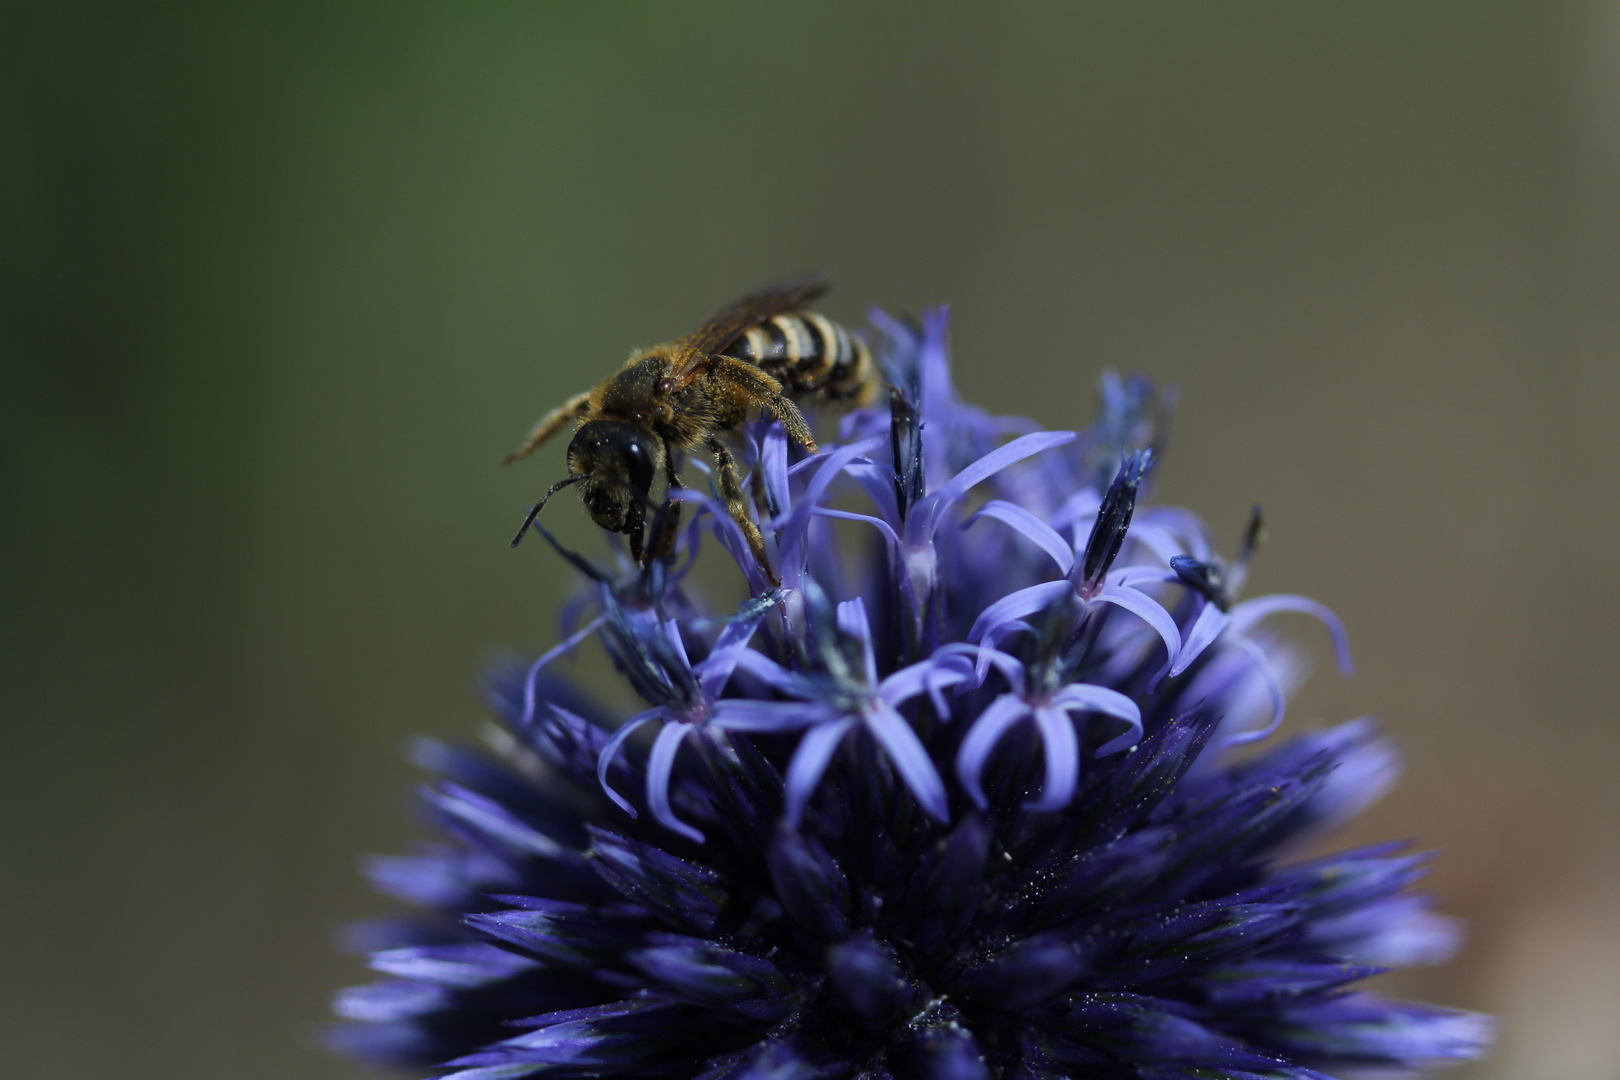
column 577, row 561
column 558, row 486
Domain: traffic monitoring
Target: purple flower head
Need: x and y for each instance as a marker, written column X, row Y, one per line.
column 951, row 801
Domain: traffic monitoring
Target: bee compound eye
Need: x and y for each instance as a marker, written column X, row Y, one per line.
column 640, row 462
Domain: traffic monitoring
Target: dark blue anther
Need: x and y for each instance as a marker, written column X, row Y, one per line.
column 1114, row 517
column 1206, row 579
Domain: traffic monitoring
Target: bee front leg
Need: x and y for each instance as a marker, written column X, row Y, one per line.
column 667, row 523
column 633, row 528
column 731, row 492
column 551, row 423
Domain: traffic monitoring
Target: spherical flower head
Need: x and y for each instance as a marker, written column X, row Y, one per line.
column 954, row 800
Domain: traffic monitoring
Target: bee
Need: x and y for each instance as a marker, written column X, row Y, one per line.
column 761, row 355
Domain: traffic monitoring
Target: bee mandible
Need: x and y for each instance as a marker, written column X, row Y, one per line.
column 762, row 354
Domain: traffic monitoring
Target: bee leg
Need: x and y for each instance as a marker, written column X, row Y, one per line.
column 551, row 423
column 731, row 492
column 667, row 522
column 633, row 529
column 764, row 392
column 798, row 430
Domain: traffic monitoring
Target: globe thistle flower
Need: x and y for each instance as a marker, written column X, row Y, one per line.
column 954, row 803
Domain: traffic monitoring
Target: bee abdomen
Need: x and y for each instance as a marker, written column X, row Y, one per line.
column 809, row 353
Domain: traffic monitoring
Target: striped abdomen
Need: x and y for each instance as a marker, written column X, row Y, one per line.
column 810, row 354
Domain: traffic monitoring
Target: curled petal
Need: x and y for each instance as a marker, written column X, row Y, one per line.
column 672, row 631
column 1205, row 629
column 929, row 675
column 943, row 675
column 910, row 759
column 1160, row 541
column 1110, row 702
column 729, row 535
column 1246, row 615
column 660, row 762
column 927, row 518
column 773, row 467
column 769, row 671
column 993, row 640
column 812, row 461
column 740, row 714
column 982, row 738
column 1000, row 458
column 1190, row 532
column 1078, row 508
column 1273, row 687
column 809, row 762
column 604, row 760
column 852, row 621
column 984, row 656
column 570, row 642
column 1137, row 576
column 1032, row 528
column 882, row 526
column 715, row 671
column 795, row 529
column 1061, row 749
column 1024, row 602
column 878, row 483
column 1150, row 611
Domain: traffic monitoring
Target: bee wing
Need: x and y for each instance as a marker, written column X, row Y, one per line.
column 730, row 323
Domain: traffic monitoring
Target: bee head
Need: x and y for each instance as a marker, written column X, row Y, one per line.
column 615, row 462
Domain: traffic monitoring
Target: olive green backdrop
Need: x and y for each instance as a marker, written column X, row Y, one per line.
column 279, row 287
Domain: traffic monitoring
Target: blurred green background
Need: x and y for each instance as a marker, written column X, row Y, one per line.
column 281, row 284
